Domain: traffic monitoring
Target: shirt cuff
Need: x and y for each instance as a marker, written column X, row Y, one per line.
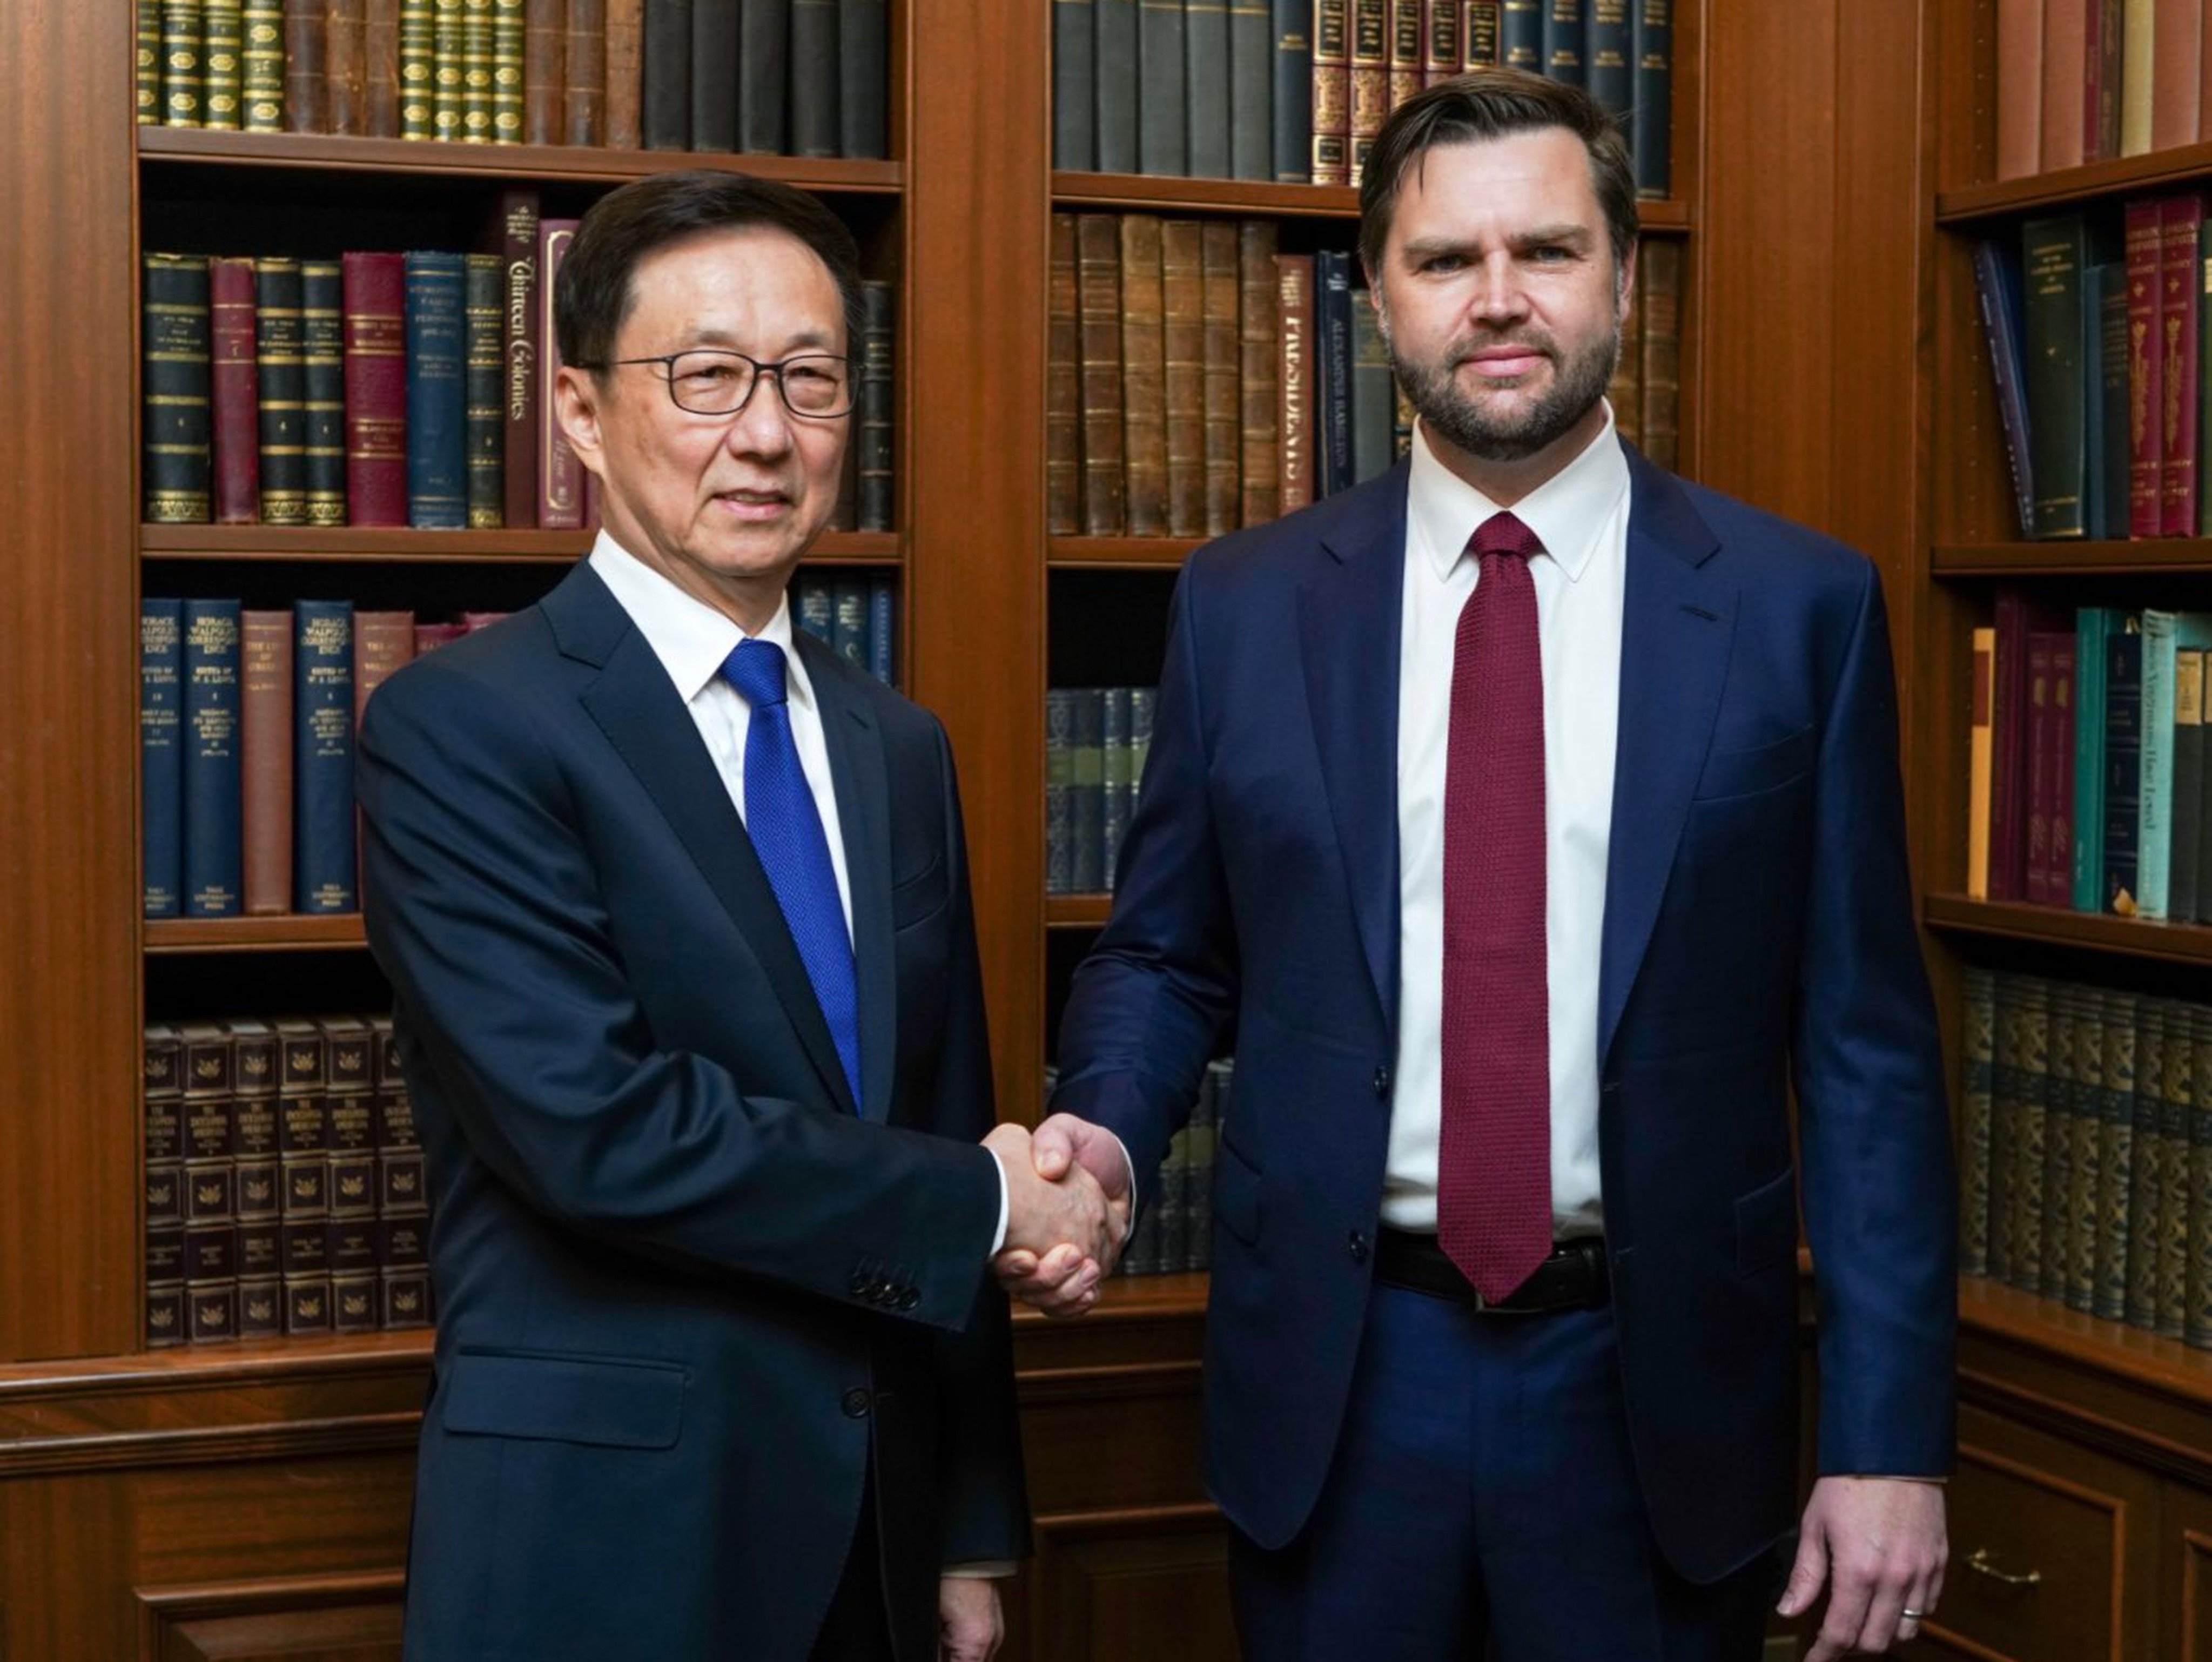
column 1130, row 1228
column 984, row 1570
column 998, row 1234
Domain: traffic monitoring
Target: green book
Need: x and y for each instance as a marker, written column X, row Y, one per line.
column 2028, row 1200
column 2063, row 1237
column 2091, row 625
column 2054, row 255
column 2197, row 1327
column 2115, row 1120
column 2124, row 1089
column 1979, row 1041
column 2176, row 1205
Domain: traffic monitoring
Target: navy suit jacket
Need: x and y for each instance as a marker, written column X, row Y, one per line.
column 684, row 1281
column 1758, row 932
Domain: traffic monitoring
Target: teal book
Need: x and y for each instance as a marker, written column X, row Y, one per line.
column 2163, row 633
column 213, row 852
column 2123, row 766
column 2091, row 625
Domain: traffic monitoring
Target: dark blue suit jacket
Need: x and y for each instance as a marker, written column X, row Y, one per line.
column 1757, row 931
column 682, row 1282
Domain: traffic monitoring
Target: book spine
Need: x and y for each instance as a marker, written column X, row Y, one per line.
column 1206, row 90
column 2033, row 1208
column 1608, row 60
column 1651, row 117
column 2109, row 481
column 323, row 862
column 345, row 48
column 1979, row 747
column 164, row 1214
column 815, row 610
column 1991, row 293
column 262, row 83
column 1292, row 94
column 1250, row 88
column 418, row 69
column 584, row 72
column 1059, row 786
column 479, row 72
column 2181, row 222
column 2011, row 752
column 485, row 419
column 1374, row 404
column 1521, row 35
column 1478, row 39
column 265, row 760
column 1221, row 353
column 1087, row 792
column 322, row 364
column 1183, row 293
column 147, row 23
column 209, row 771
column 1332, row 92
column 882, row 630
column 848, row 621
column 380, row 70
column 1162, row 132
column 813, row 91
column 306, row 108
column 281, row 371
column 2146, row 369
column 2066, row 83
column 376, row 388
column 1063, row 403
column 2154, row 775
column 2019, row 87
column 448, row 69
column 1143, row 376
column 2064, row 680
column 2124, row 663
column 160, row 754
column 2197, row 1290
column 2176, row 73
column 623, row 54
column 2062, row 1234
column 1564, row 32
column 437, row 402
column 878, row 492
column 1259, row 368
column 718, row 86
column 1443, row 24
column 2200, row 291
column 1116, row 792
column 2091, row 624
column 2034, row 783
column 560, row 475
column 235, row 390
column 222, row 66
column 174, row 374
column 2188, row 822
column 2176, row 1105
column 2105, row 89
column 864, row 78
column 1098, row 301
column 510, row 52
column 1333, row 318
column 518, row 234
column 1370, row 78
column 1977, row 1022
column 765, row 75
column 1294, row 319
column 2117, row 1158
column 2137, row 66
column 665, row 102
column 1074, row 85
column 544, row 70
column 1408, row 49
column 1115, row 54
column 1659, row 279
column 2052, row 258
column 382, row 642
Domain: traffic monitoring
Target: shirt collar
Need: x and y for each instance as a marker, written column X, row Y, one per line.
column 690, row 638
column 1568, row 512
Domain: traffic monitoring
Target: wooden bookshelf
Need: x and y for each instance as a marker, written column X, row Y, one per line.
column 2051, row 925
column 2123, row 176
column 1077, row 911
column 2176, row 555
column 393, row 545
column 1119, row 553
column 338, row 932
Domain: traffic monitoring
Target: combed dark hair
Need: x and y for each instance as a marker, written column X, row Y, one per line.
column 592, row 295
column 1491, row 103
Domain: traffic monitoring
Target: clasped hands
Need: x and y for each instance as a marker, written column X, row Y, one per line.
column 1067, row 1211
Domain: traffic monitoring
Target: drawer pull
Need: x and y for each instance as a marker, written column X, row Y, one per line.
column 1979, row 1561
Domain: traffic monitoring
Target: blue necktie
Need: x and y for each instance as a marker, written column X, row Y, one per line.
column 786, row 830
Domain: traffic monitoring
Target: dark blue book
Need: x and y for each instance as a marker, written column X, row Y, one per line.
column 1374, row 395
column 848, row 629
column 1059, row 790
column 214, row 839
column 2123, row 767
column 815, row 611
column 874, row 494
column 883, row 646
column 1119, row 791
column 437, row 393
column 1563, row 41
column 1293, row 99
column 1608, row 70
column 1333, row 332
column 2098, row 283
column 1206, row 89
column 1652, row 122
column 1162, row 134
column 1115, row 55
column 1521, row 35
column 323, row 865
column 1997, row 287
column 1074, row 85
column 160, row 667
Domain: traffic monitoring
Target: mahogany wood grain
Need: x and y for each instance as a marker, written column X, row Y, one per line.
column 398, row 546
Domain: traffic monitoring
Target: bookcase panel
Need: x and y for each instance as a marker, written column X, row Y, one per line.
column 1148, row 1584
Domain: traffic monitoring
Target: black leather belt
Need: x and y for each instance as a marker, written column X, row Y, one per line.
column 1573, row 1278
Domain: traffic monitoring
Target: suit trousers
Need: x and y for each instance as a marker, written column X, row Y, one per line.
column 857, row 1627
column 1484, row 1492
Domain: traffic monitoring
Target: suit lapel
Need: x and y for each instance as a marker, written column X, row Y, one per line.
column 1349, row 627
column 863, row 787
column 636, row 706
column 1678, row 620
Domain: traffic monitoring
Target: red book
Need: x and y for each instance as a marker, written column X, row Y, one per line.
column 2039, row 783
column 264, row 749
column 2176, row 72
column 2065, row 35
column 382, row 642
column 2181, row 218
column 2017, row 618
column 2103, row 26
column 235, row 392
column 376, row 389
column 431, row 636
column 517, row 234
column 560, row 475
column 2146, row 366
column 472, row 621
column 2061, row 735
column 2020, row 87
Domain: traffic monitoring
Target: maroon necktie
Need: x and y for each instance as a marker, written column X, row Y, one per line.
column 1494, row 1161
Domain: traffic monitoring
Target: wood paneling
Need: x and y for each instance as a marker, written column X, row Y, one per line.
column 343, row 1618
column 2187, row 1568
column 1149, row 1583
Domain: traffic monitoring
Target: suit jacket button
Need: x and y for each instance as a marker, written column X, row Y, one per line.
column 855, row 1404
column 1357, row 1247
column 908, row 1297
column 859, row 1283
column 1381, row 1081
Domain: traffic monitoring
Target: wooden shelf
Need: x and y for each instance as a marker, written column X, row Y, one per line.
column 2161, row 170
column 386, row 545
column 339, row 932
column 1261, row 199
column 1119, row 553
column 2051, row 925
column 235, row 1364
column 433, row 158
column 1077, row 911
column 2073, row 559
column 2106, row 1347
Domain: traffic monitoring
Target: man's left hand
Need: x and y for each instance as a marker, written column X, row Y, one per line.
column 1879, row 1546
column 969, row 1623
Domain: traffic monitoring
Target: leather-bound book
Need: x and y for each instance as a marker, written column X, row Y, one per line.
column 210, row 759
column 428, row 637
column 322, row 359
column 1651, row 121
column 479, row 72
column 1333, row 359
column 1442, row 23
column 345, row 47
column 1116, row 57
column 2135, row 73
column 872, row 435
column 234, row 386
column 863, row 77
column 264, row 59
column 1608, row 58
column 1479, row 43
column 1409, row 51
column 1075, row 85
column 484, row 420
column 323, row 871
column 2053, row 261
column 1332, row 92
column 1182, row 296
column 164, row 1216
column 585, row 68
column 814, row 130
column 560, row 475
column 1259, row 368
column 222, row 66
column 306, row 107
column 763, row 77
column 517, row 234
column 1098, row 311
column 1563, row 41
column 665, row 94
column 1163, row 124
column 2181, row 218
column 510, row 31
column 1370, row 77
column 173, row 376
column 380, row 68
column 1294, row 319
column 1206, row 90
column 1143, row 376
column 624, row 44
column 2019, row 87
column 1624, row 393
column 2065, row 80
column 1659, row 280
column 418, row 69
column 437, row 401
column 265, row 751
column 303, row 1199
column 1374, row 404
column 183, row 45
column 1063, row 399
column 146, row 21
column 376, row 388
column 716, row 92
column 2176, row 72
column 1521, row 35
column 448, row 69
column 160, row 753
column 1291, row 30
column 1221, row 357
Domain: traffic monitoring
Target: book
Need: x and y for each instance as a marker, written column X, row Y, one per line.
column 209, row 774
column 323, row 859
column 1659, row 284
column 1259, row 390
column 164, row 1209
column 147, row 29
column 437, row 395
column 1116, row 790
column 560, row 475
column 2181, row 223
column 1250, row 89
column 484, row 380
column 764, row 77
column 1368, row 78
column 222, row 66
column 1143, row 376
column 1980, row 753
column 515, row 232
column 717, row 89
column 1480, row 46
column 1333, row 339
column 345, row 65
column 2163, row 633
column 1206, row 90
column 863, row 85
column 2196, row 1288
column 1059, row 791
column 266, row 761
column 1183, row 336
column 2146, row 369
column 1609, row 62
column 1408, row 49
column 510, row 52
column 418, row 69
column 665, row 96
column 376, row 389
column 234, row 393
column 2137, row 69
column 2019, row 85
column 1163, row 131
column 1063, row 403
column 1443, row 48
column 2175, row 1104
column 1997, row 290
column 176, row 412
column 160, row 755
column 382, row 642
column 380, row 68
column 1294, row 318
column 1374, row 403
column 2065, row 1242
column 622, row 54
column 322, row 365
column 2036, row 783
column 448, row 70
column 2018, row 617
column 882, row 630
column 2183, row 900
column 1332, row 92
column 2092, row 624
column 1521, row 35
column 2105, row 448
column 2033, row 1208
column 1292, row 92
column 2177, row 72
column 280, row 368
column 479, row 71
column 1564, row 38
column 1115, row 44
column 2058, row 738
column 1098, row 301
column 306, row 108
column 584, row 73
column 1978, row 1035
column 872, row 417
column 1074, row 99
column 2123, row 767
column 262, row 81
column 1222, row 353
column 2053, row 258
column 1087, row 791
column 848, row 620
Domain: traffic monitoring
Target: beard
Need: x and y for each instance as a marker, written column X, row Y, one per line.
column 1578, row 381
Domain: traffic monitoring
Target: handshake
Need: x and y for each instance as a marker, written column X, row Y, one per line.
column 1068, row 1196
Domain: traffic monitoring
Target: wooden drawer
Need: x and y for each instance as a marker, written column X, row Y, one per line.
column 2053, row 1551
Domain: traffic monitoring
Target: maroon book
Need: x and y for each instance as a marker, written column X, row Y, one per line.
column 431, row 636
column 2061, row 735
column 376, row 389
column 2146, row 367
column 2041, row 783
column 236, row 391
column 266, row 755
column 560, row 475
column 516, row 237
column 2180, row 218
column 2017, row 617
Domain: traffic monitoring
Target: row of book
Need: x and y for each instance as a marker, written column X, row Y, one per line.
column 392, row 389
column 2086, row 1148
column 798, row 77
column 2079, row 82
column 2096, row 344
column 1296, row 90
column 285, row 1192
column 1096, row 740
column 2086, row 786
column 1175, row 1234
column 247, row 723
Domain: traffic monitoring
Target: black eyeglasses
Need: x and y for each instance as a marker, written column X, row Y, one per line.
column 710, row 382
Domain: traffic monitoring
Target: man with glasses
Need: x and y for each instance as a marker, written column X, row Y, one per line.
column 674, row 906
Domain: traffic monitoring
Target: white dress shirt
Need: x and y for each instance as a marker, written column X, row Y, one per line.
column 1581, row 515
